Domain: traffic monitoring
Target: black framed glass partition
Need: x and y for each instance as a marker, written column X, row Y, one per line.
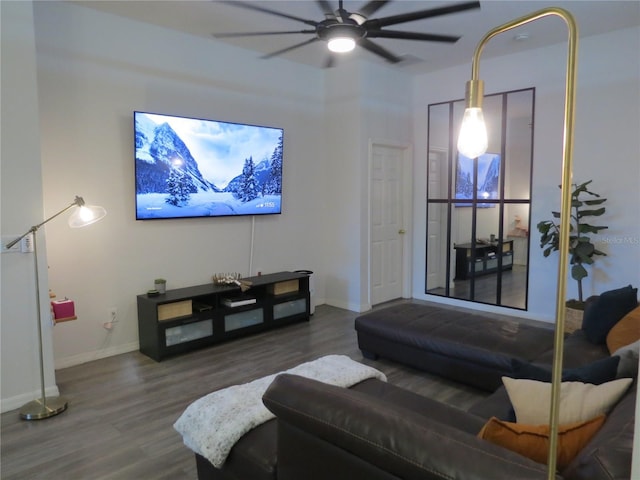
column 478, row 209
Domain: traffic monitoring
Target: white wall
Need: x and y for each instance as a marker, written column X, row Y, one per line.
column 386, row 110
column 90, row 82
column 607, row 148
column 343, row 127
column 365, row 103
column 21, row 208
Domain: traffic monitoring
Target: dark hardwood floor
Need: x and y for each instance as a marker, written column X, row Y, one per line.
column 122, row 408
column 512, row 294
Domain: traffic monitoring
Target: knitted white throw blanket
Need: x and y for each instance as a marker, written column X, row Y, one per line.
column 212, row 425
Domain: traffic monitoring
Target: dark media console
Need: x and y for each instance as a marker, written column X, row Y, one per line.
column 194, row 317
column 483, row 259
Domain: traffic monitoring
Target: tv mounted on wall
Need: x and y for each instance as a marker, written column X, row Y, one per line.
column 488, row 175
column 190, row 167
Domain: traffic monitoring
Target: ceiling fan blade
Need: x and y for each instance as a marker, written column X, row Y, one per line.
column 430, row 37
column 293, row 47
column 372, row 7
column 378, row 50
column 250, row 6
column 253, row 34
column 342, row 13
column 326, row 8
column 378, row 23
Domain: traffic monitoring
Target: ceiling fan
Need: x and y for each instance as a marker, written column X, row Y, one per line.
column 343, row 30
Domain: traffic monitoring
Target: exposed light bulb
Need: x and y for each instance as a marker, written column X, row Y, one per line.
column 472, row 141
column 341, row 44
column 86, row 215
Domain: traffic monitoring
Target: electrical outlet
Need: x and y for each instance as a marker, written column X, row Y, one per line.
column 113, row 319
column 26, row 244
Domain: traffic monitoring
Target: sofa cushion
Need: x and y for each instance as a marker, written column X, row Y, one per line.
column 601, row 314
column 598, row 372
column 532, row 441
column 577, row 351
column 578, row 401
column 626, row 331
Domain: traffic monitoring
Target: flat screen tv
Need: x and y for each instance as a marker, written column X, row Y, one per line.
column 190, row 167
column 488, row 175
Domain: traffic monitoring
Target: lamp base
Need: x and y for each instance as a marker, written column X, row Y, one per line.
column 37, row 410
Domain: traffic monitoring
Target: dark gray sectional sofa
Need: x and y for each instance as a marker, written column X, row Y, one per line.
column 478, row 350
column 377, row 431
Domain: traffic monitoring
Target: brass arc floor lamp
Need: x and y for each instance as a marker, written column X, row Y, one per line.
column 473, row 142
column 45, row 407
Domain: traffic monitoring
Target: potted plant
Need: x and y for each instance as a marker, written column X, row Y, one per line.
column 581, row 250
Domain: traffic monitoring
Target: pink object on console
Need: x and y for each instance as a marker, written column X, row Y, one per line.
column 63, row 308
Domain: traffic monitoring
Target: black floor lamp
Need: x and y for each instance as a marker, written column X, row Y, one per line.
column 45, row 407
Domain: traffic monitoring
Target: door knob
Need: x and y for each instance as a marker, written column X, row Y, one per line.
column 402, row 231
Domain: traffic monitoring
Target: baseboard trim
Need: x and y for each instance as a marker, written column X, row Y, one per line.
column 12, row 403
column 352, row 307
column 81, row 358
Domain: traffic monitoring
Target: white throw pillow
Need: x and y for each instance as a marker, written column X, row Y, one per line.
column 579, row 401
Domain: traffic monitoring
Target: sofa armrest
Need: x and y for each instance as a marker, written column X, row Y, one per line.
column 609, row 454
column 368, row 435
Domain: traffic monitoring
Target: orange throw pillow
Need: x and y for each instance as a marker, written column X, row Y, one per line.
column 625, row 332
column 532, row 441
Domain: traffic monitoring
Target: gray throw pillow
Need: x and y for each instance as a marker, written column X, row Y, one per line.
column 629, row 355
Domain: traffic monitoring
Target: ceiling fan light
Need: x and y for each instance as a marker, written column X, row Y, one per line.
column 341, row 44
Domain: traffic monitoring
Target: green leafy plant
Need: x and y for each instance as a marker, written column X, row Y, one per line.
column 581, row 250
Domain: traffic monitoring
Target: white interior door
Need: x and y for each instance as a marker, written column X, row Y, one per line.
column 387, row 230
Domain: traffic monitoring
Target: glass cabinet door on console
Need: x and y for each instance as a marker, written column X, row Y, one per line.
column 478, row 209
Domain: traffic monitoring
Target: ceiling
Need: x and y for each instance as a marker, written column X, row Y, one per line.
column 205, row 18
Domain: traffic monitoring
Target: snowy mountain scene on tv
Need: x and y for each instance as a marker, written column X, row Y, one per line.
column 187, row 167
column 488, row 179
